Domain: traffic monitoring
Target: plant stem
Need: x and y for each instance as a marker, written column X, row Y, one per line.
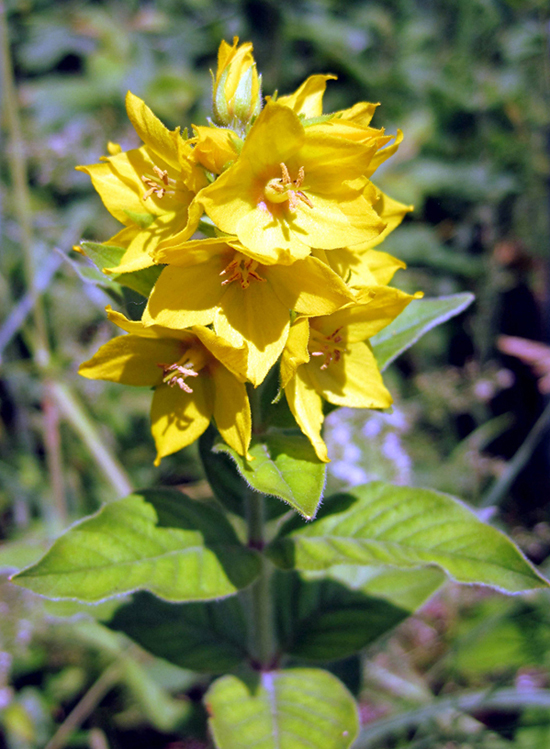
column 502, row 485
column 77, row 417
column 260, row 603
column 500, row 699
column 87, row 704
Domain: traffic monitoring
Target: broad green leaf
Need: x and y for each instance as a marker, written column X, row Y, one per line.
column 418, row 318
column 156, row 540
column 325, row 619
column 302, row 708
column 406, row 527
column 207, row 637
column 406, row 588
column 284, row 466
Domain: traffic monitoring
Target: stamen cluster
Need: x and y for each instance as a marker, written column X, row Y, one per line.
column 265, row 223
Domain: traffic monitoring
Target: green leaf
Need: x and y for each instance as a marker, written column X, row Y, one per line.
column 406, row 527
column 206, row 637
column 327, row 619
column 302, row 708
column 418, row 318
column 106, row 256
column 284, row 466
column 406, row 588
column 155, row 540
column 103, row 255
column 226, row 482
column 141, row 281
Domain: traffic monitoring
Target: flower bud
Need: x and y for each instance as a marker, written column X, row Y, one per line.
column 237, row 96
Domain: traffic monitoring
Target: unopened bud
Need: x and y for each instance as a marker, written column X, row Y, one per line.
column 237, row 96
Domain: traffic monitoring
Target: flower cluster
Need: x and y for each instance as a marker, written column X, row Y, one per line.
column 265, row 222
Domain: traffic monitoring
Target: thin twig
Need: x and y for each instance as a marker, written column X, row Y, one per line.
column 85, row 707
column 500, row 699
column 22, row 205
column 500, row 488
column 76, row 416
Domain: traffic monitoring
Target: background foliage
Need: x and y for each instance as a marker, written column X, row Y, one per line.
column 469, row 83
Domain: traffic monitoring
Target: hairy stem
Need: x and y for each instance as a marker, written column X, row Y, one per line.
column 259, row 599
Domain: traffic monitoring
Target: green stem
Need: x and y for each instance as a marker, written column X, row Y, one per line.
column 259, row 599
column 500, row 488
column 77, row 417
column 500, row 699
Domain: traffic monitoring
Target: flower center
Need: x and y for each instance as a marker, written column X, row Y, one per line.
column 188, row 366
column 286, row 189
column 327, row 346
column 158, row 184
column 241, row 269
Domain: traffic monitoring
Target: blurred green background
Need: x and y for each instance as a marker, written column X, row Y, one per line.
column 468, row 81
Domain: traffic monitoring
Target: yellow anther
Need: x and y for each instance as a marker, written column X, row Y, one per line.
column 158, row 187
column 285, row 189
column 241, row 269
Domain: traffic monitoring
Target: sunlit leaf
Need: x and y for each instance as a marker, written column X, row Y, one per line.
column 295, row 709
column 418, row 318
column 285, row 466
column 155, row 540
column 406, row 527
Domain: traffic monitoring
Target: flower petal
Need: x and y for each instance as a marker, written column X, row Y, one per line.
column 118, row 180
column 353, row 381
column 361, row 321
column 214, row 147
column 234, row 358
column 132, row 360
column 254, row 317
column 309, row 287
column 232, row 410
column 329, row 225
column 151, row 130
column 179, row 418
column 296, row 351
column 183, row 297
column 307, row 408
column 307, row 100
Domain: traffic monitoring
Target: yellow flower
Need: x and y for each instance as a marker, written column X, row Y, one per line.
column 149, row 189
column 196, row 376
column 362, row 266
column 290, row 191
column 237, row 89
column 329, row 357
column 216, row 281
column 215, row 148
column 307, row 100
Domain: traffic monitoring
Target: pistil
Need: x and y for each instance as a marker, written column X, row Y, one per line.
column 286, row 189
